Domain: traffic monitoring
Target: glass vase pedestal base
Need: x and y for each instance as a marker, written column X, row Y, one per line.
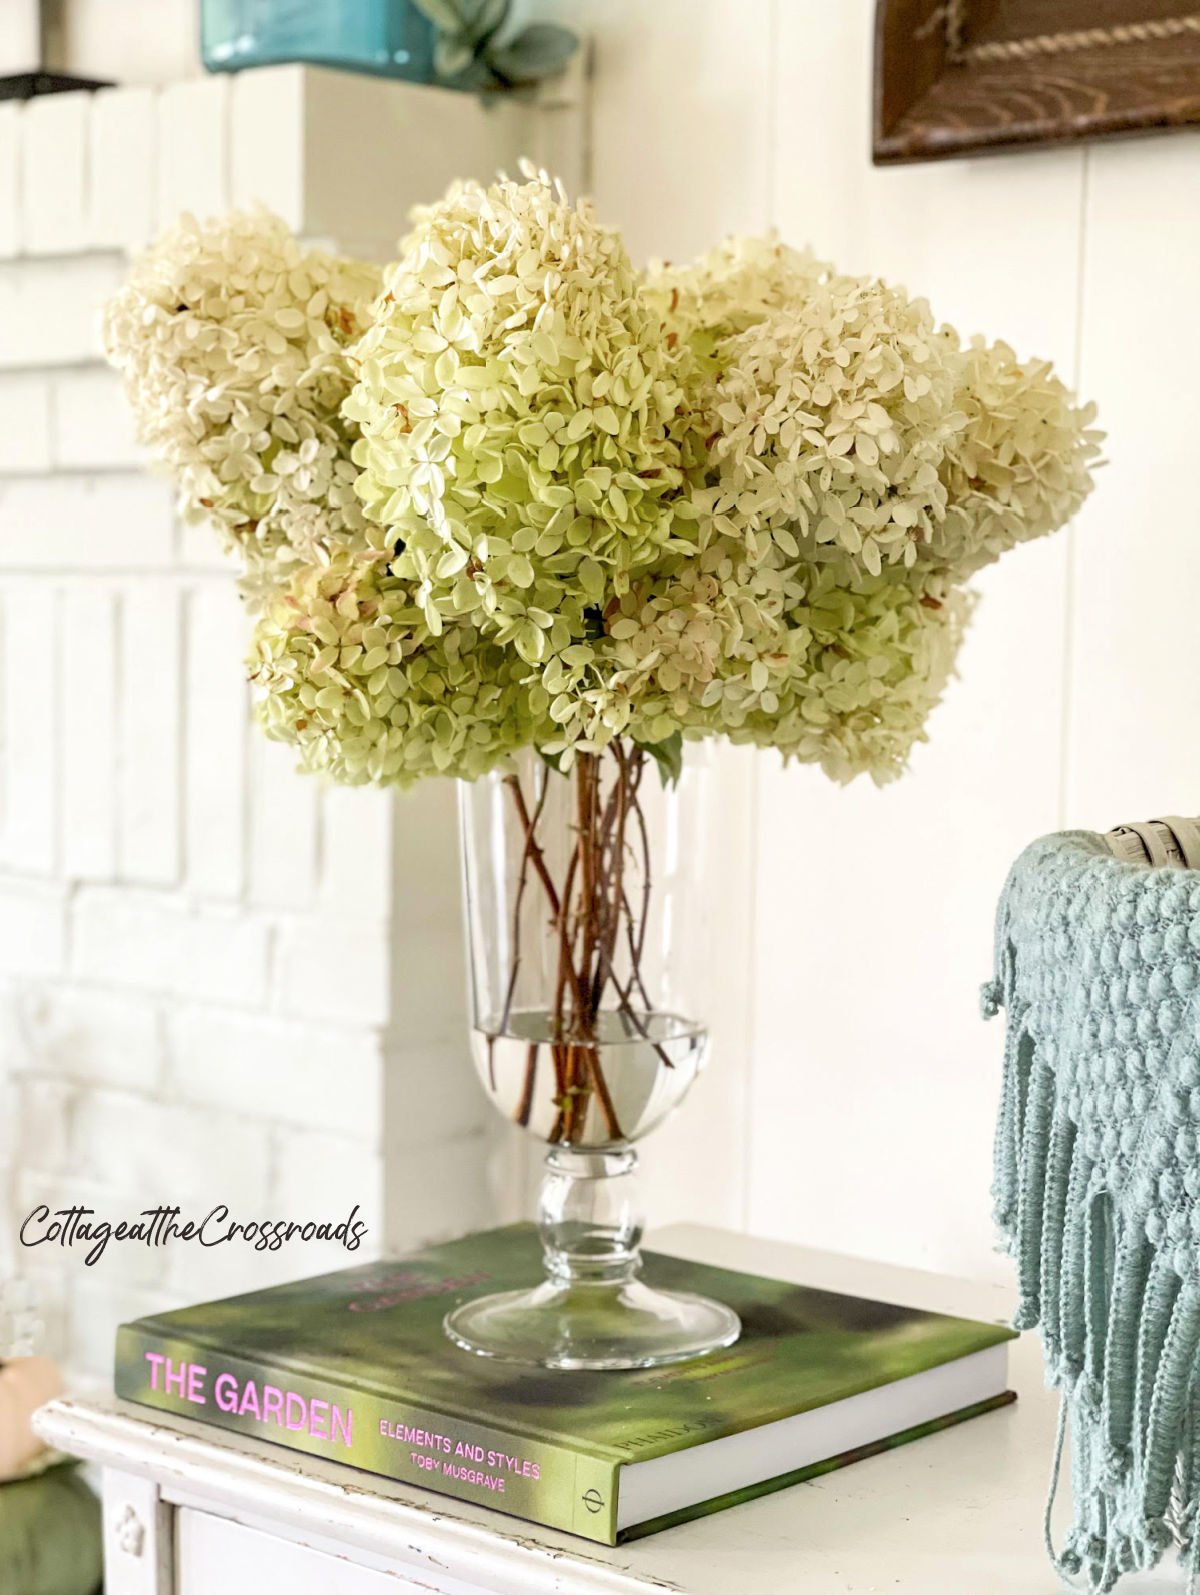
column 592, row 1310
column 592, row 1325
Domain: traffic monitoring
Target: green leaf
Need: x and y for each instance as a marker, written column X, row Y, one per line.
column 470, row 20
column 668, row 755
column 446, row 15
column 451, row 57
column 485, row 19
column 538, row 51
column 465, row 29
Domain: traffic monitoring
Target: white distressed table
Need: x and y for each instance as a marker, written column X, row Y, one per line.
column 194, row 1511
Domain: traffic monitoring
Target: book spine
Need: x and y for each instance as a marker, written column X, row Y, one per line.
column 394, row 1437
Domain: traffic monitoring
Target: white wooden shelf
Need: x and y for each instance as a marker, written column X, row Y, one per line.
column 958, row 1513
column 339, row 155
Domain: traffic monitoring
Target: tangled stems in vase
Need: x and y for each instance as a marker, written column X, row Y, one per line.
column 597, row 914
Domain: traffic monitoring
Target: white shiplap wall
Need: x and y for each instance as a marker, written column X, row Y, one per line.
column 851, row 1096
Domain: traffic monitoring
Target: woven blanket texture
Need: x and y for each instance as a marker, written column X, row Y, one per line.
column 1097, row 1174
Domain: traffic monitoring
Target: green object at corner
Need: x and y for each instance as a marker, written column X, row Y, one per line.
column 50, row 1535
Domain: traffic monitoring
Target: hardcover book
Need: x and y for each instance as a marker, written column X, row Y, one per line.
column 354, row 1367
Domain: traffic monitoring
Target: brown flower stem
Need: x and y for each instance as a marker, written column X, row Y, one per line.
column 530, row 824
column 576, row 1096
column 539, row 861
column 635, row 982
column 585, row 791
column 567, row 980
column 591, row 916
column 627, row 1011
column 616, row 893
column 639, row 945
column 560, row 1086
column 525, row 1106
column 602, row 1093
column 567, row 976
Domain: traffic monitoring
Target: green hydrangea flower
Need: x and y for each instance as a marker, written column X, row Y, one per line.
column 866, row 665
column 515, row 395
column 352, row 676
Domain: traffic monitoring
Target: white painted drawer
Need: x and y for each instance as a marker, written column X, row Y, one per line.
column 216, row 1557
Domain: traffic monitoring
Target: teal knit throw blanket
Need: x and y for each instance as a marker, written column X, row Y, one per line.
column 1097, row 1173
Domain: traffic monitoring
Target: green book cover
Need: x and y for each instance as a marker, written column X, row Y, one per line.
column 354, row 1367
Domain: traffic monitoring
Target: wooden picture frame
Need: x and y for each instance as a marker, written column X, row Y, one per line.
column 959, row 77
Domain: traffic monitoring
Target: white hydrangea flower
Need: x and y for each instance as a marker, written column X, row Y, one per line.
column 813, row 659
column 867, row 665
column 1019, row 467
column 732, row 288
column 830, row 423
column 232, row 341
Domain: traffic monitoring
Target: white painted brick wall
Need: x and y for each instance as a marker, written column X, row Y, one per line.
column 54, row 150
column 149, row 753
column 29, row 695
column 220, row 981
column 284, row 1071
column 69, row 522
column 160, row 942
column 193, row 148
column 24, row 422
column 123, row 169
column 91, row 426
column 167, row 1152
column 12, row 121
column 87, row 713
column 88, row 1034
column 49, row 308
column 357, row 845
column 130, row 41
column 215, row 699
column 284, row 828
column 336, row 969
column 33, row 927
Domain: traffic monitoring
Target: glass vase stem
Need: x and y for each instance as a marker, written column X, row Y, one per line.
column 589, row 1217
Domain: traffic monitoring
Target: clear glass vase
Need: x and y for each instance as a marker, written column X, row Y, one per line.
column 588, row 934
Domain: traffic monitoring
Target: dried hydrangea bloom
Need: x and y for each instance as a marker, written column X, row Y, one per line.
column 514, row 396
column 652, row 651
column 814, row 659
column 1018, row 468
column 560, row 503
column 866, row 665
column 732, row 288
column 832, row 419
column 350, row 674
column 231, row 339
column 679, row 635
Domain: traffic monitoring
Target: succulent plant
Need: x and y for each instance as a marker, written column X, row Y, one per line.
column 472, row 50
